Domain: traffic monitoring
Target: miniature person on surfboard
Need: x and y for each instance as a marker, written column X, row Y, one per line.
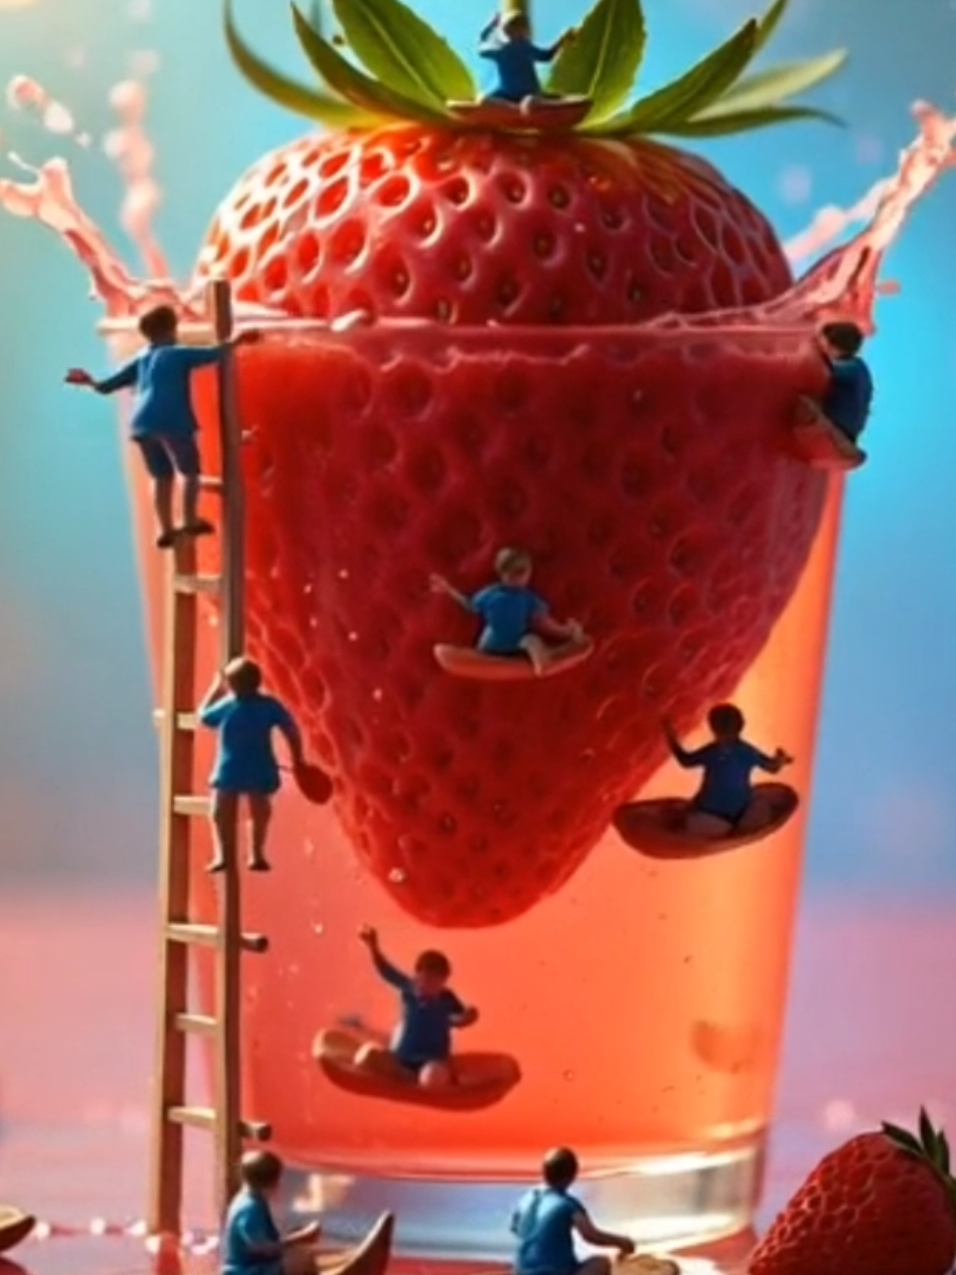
column 251, row 1243
column 421, row 1046
column 846, row 404
column 726, row 801
column 516, row 620
column 163, row 424
column 506, row 41
column 547, row 1219
column 246, row 765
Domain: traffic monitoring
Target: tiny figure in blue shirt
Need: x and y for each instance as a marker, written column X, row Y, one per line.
column 549, row 1216
column 420, row 1048
column 251, row 1243
column 163, row 424
column 245, row 764
column 506, row 41
column 726, row 801
column 846, row 404
column 516, row 620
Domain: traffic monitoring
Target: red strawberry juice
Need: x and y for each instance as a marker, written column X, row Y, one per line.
column 644, row 1001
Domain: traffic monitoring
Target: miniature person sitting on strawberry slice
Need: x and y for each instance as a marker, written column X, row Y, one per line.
column 420, row 1048
column 163, row 424
column 516, row 619
column 726, row 801
column 245, row 765
column 547, row 1219
column 506, row 41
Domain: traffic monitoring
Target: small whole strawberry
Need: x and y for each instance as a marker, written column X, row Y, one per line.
column 882, row 1204
column 650, row 482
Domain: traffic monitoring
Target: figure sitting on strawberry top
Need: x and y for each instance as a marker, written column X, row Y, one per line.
column 520, row 636
column 506, row 41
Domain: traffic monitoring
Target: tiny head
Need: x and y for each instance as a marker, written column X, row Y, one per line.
column 432, row 972
column 726, row 721
column 559, row 1167
column 843, row 340
column 159, row 325
column 516, row 26
column 243, row 676
column 261, row 1171
column 513, row 566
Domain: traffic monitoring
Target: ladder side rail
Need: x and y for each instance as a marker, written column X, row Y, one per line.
column 176, row 776
column 227, row 1068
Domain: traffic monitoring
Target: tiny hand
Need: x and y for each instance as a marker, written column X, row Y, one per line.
column 438, row 584
column 78, row 376
column 575, row 630
column 369, row 936
column 784, row 758
column 626, row 1248
column 471, row 1015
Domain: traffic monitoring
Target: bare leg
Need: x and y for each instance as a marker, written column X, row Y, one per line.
column 225, row 808
column 707, row 827
column 537, row 651
column 759, row 814
column 190, row 499
column 436, row 1075
column 375, row 1061
column 163, row 505
column 260, row 815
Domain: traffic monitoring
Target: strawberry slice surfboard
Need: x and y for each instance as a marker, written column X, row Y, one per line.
column 528, row 404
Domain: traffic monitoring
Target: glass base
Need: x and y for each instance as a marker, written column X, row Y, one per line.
column 666, row 1202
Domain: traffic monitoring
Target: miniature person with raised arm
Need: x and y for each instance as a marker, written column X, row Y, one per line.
column 516, row 620
column 506, row 42
column 251, row 1243
column 421, row 1044
column 726, row 800
column 246, row 766
column 547, row 1219
column 163, row 424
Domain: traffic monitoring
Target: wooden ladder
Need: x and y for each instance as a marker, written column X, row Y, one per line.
column 179, row 808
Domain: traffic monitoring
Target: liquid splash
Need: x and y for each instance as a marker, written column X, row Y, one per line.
column 844, row 283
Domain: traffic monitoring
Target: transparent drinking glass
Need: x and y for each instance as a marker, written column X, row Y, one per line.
column 643, row 1000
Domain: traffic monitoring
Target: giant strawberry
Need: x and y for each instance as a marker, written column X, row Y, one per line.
column 883, row 1204
column 648, row 476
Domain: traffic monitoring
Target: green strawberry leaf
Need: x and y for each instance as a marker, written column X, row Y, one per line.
column 927, row 1133
column 692, row 93
column 403, row 52
column 351, row 83
column 768, row 24
column 903, row 1138
column 714, row 124
column 775, row 85
column 311, row 103
column 602, row 62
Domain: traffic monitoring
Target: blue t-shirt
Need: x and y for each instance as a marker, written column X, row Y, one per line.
column 159, row 377
column 515, row 64
column 424, row 1033
column 248, row 1223
column 725, row 789
column 508, row 611
column 848, row 400
column 245, row 760
column 544, row 1225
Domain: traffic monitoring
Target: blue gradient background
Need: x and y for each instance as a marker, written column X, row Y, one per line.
column 77, row 753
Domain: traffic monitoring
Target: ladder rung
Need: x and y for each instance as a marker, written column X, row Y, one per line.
column 208, row 483
column 191, row 806
column 205, row 1118
column 200, row 1023
column 184, row 721
column 208, row 936
column 197, row 584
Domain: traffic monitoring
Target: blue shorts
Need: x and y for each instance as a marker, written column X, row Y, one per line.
column 167, row 454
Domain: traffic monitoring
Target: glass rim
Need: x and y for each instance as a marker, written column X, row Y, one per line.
column 677, row 328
